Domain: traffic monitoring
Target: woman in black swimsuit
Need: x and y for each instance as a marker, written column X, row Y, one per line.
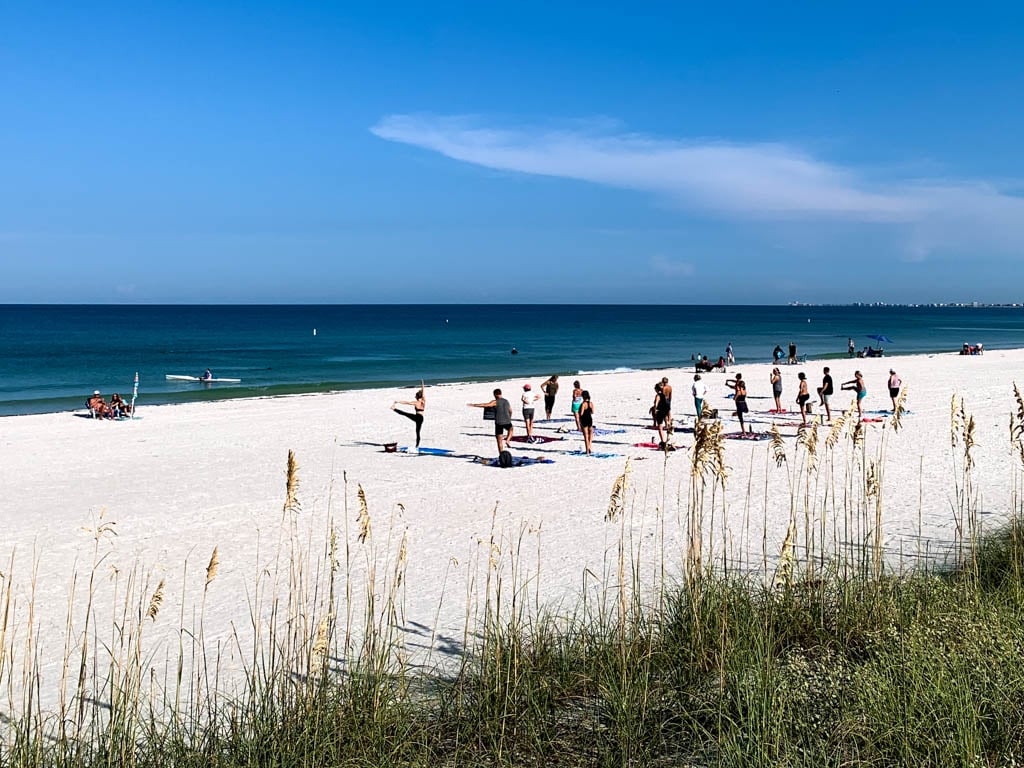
column 420, row 404
column 802, row 397
column 586, row 415
column 739, row 386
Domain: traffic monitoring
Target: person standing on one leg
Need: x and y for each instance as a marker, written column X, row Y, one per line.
column 699, row 390
column 502, row 418
column 857, row 385
column 739, row 386
column 550, row 389
column 825, row 393
column 419, row 406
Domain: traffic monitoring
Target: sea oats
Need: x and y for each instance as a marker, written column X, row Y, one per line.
column 211, row 567
column 897, row 414
column 617, row 500
column 291, row 484
column 156, row 601
column 320, row 644
column 778, row 447
column 784, row 571
column 364, row 515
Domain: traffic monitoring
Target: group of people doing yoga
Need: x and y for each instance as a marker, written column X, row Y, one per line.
column 660, row 411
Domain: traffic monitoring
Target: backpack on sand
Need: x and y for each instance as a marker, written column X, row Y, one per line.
column 505, row 459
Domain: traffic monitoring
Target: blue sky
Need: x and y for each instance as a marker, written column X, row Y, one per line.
column 519, row 152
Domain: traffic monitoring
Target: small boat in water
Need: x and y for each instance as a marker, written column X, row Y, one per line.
column 200, row 379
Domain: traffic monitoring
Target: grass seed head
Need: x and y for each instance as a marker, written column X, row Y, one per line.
column 617, row 500
column 778, row 447
column 156, row 601
column 364, row 515
column 211, row 568
column 291, row 485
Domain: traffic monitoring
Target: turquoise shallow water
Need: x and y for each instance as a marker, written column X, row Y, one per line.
column 51, row 357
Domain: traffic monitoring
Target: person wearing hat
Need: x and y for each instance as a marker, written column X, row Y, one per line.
column 528, row 410
column 98, row 407
column 895, row 384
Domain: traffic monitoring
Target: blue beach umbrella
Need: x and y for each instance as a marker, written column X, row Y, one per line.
column 881, row 339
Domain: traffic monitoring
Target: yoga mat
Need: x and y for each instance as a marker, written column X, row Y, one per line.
column 535, row 439
column 517, row 461
column 756, row 436
column 428, row 451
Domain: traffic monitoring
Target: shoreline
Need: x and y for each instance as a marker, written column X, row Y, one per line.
column 290, row 390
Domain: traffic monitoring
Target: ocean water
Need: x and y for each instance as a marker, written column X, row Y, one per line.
column 52, row 357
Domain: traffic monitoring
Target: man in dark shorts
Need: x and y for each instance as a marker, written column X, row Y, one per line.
column 550, row 389
column 502, row 418
column 825, row 393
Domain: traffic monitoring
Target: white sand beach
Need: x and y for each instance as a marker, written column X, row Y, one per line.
column 181, row 480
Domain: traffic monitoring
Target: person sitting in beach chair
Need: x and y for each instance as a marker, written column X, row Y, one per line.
column 118, row 407
column 98, row 407
column 720, row 365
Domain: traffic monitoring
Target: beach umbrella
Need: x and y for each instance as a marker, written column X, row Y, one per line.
column 880, row 339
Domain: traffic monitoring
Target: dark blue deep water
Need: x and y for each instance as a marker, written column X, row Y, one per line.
column 51, row 357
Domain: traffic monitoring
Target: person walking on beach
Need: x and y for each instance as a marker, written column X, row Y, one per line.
column 666, row 396
column 739, row 386
column 851, row 348
column 895, row 384
column 699, row 391
column 419, row 405
column 502, row 419
column 802, row 397
column 550, row 389
column 728, row 354
column 792, row 353
column 528, row 410
column 857, row 385
column 577, row 401
column 776, row 379
column 586, row 416
column 825, row 394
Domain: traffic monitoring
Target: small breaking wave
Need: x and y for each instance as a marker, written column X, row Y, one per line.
column 607, row 370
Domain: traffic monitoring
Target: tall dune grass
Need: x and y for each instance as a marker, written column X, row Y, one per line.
column 824, row 652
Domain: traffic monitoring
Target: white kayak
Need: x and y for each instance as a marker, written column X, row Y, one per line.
column 173, row 377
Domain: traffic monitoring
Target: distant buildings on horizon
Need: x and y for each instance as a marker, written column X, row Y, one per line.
column 932, row 304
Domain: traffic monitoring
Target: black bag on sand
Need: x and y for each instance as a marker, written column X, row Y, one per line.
column 505, row 459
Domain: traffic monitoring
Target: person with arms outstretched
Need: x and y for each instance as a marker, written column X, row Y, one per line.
column 502, row 419
column 419, row 405
column 739, row 386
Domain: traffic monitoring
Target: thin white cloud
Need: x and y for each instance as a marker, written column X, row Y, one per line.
column 768, row 181
column 667, row 267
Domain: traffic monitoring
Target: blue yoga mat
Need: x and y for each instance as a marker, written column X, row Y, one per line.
column 517, row 461
column 428, row 451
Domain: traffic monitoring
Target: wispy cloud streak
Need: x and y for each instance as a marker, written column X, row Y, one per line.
column 768, row 181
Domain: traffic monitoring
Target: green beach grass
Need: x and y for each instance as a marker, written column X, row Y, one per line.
column 823, row 654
